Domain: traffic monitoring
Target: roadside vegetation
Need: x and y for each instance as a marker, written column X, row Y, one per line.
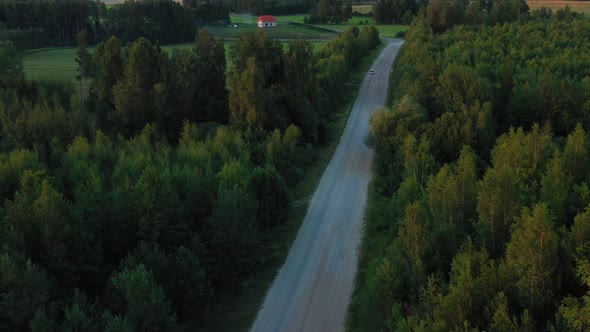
column 478, row 214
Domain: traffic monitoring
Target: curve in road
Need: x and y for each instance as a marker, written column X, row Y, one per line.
column 312, row 290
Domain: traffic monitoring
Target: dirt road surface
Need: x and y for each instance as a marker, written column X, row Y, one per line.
column 312, row 290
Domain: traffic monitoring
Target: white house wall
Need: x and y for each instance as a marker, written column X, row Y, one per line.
column 267, row 24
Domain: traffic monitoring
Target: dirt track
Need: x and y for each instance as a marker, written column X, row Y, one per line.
column 312, row 290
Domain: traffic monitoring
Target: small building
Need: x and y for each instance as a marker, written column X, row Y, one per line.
column 267, row 21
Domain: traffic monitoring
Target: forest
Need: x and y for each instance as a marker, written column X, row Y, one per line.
column 31, row 24
column 131, row 197
column 34, row 24
column 479, row 217
column 443, row 14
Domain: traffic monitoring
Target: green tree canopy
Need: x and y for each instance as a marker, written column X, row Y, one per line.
column 11, row 70
column 140, row 301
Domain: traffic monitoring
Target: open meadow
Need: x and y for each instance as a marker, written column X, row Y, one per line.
column 58, row 63
column 51, row 63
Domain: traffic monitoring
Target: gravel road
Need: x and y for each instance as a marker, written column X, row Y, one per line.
column 312, row 290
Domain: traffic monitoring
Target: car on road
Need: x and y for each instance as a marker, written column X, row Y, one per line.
column 371, row 72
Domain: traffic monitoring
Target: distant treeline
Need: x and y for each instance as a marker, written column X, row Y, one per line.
column 444, row 13
column 289, row 8
column 259, row 7
column 26, row 38
column 330, row 11
column 221, row 8
column 34, row 24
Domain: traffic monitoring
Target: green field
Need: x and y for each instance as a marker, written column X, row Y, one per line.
column 385, row 30
column 50, row 63
column 60, row 64
column 290, row 18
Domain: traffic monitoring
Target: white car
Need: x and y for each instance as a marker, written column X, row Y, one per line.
column 371, row 72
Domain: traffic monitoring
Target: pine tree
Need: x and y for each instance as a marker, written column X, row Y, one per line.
column 84, row 60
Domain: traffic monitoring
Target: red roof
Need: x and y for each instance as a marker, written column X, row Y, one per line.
column 266, row 18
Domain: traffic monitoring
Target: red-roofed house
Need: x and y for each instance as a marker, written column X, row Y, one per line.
column 267, row 21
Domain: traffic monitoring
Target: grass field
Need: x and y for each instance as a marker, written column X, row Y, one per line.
column 60, row 64
column 50, row 64
column 376, row 238
column 577, row 6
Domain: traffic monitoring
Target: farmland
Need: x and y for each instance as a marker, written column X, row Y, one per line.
column 577, row 6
